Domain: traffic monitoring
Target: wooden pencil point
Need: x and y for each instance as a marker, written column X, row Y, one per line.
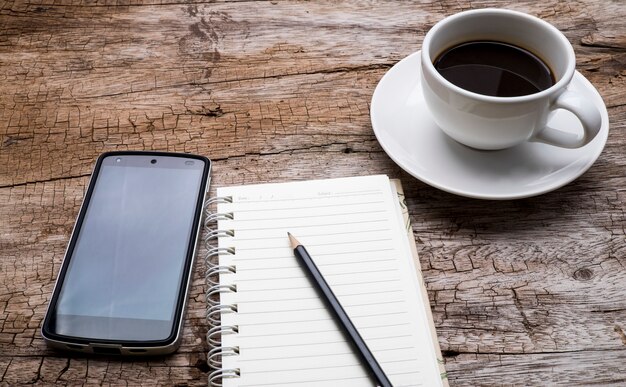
column 293, row 241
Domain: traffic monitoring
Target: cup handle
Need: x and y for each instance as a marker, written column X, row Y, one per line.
column 587, row 113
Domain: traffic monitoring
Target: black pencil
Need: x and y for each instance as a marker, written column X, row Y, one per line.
column 365, row 355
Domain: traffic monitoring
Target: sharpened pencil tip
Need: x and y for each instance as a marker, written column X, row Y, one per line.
column 294, row 242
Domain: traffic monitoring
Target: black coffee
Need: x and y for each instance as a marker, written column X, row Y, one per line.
column 494, row 68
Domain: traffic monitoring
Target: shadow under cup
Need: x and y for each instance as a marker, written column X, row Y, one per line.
column 488, row 122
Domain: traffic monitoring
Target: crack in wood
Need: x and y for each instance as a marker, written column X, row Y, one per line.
column 38, row 10
column 44, row 181
column 37, row 377
column 62, row 372
column 585, row 43
column 523, row 353
column 6, row 369
column 335, row 70
column 10, row 140
column 518, row 304
column 310, row 149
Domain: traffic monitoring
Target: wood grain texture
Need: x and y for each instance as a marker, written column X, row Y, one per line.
column 526, row 292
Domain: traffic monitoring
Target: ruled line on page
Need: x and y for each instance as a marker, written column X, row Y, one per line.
column 321, row 265
column 287, row 334
column 307, row 287
column 300, row 345
column 281, row 345
column 375, row 326
column 255, row 359
column 326, row 355
column 386, row 302
column 404, row 360
column 353, row 316
column 266, row 300
column 339, row 263
column 289, row 321
column 313, row 320
column 334, row 330
column 304, row 368
column 243, row 280
column 405, row 373
column 369, row 338
column 286, row 226
column 318, row 308
column 315, row 297
column 331, row 196
column 302, row 276
column 375, row 230
column 324, row 367
column 335, row 286
column 280, row 311
column 244, row 327
column 354, row 252
column 375, row 270
column 389, row 314
column 393, row 349
column 302, row 216
column 306, row 381
column 377, row 291
column 289, row 263
column 308, row 207
column 341, row 243
column 348, row 242
column 318, row 254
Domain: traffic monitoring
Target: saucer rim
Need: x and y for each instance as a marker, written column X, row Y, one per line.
column 604, row 131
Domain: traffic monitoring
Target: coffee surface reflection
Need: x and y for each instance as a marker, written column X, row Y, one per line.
column 494, row 68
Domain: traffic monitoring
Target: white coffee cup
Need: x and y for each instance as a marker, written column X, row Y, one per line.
column 487, row 122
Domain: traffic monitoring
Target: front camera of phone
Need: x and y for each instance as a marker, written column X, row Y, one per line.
column 153, row 161
column 118, row 160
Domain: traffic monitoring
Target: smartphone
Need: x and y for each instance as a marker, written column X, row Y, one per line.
column 122, row 286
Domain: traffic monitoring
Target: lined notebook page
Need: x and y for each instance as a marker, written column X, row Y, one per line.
column 353, row 229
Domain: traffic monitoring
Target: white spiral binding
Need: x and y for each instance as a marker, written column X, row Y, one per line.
column 214, row 308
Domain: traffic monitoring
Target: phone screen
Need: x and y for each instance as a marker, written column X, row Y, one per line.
column 126, row 267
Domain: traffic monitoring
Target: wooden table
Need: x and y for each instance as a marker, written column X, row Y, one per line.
column 529, row 291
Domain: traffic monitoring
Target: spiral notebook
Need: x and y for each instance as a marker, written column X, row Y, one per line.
column 268, row 326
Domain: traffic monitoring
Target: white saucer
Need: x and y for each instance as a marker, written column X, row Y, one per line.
column 405, row 129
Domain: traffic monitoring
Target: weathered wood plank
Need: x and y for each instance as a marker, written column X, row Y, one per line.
column 490, row 294
column 568, row 368
column 522, row 292
column 164, row 77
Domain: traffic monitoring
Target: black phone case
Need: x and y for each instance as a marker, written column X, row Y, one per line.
column 171, row 343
